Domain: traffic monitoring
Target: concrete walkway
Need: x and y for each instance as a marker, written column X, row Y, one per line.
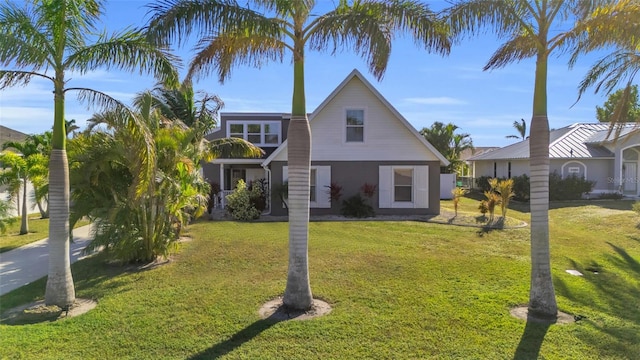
column 28, row 263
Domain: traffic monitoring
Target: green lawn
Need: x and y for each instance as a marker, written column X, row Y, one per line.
column 399, row 290
column 38, row 230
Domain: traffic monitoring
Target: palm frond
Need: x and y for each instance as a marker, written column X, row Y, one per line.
column 520, row 47
column 502, row 17
column 9, row 78
column 23, row 41
column 223, row 52
column 368, row 28
column 97, row 98
column 612, row 23
column 232, row 148
column 128, row 50
column 621, row 66
column 173, row 21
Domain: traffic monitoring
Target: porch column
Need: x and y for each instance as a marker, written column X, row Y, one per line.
column 221, row 194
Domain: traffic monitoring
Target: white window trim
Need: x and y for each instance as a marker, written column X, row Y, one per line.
column 245, row 128
column 364, row 125
column 403, row 204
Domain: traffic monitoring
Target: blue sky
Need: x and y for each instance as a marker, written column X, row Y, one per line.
column 423, row 87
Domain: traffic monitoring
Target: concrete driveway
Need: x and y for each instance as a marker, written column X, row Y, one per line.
column 28, row 263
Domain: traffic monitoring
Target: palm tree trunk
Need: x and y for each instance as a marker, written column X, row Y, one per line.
column 24, row 225
column 59, row 290
column 297, row 293
column 542, row 300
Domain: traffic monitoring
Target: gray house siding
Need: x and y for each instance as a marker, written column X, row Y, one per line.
column 351, row 176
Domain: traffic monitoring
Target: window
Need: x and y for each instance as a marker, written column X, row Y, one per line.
column 574, row 170
column 236, row 130
column 258, row 133
column 355, row 125
column 312, row 185
column 495, row 169
column 402, row 185
column 254, row 133
column 272, row 133
column 509, row 170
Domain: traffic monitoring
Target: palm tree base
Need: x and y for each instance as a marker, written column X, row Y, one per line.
column 522, row 312
column 276, row 310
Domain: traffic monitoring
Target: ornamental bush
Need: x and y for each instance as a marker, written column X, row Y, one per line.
column 239, row 203
column 356, row 206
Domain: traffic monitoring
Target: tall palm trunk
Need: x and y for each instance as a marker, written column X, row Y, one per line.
column 59, row 290
column 542, row 300
column 297, row 293
column 24, row 225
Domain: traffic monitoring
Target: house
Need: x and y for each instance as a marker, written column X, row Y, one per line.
column 586, row 150
column 358, row 138
column 7, row 135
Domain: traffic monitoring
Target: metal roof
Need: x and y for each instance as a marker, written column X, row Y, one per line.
column 580, row 140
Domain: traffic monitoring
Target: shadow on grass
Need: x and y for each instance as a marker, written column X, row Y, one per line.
column 237, row 340
column 492, row 225
column 93, row 278
column 531, row 340
column 615, row 292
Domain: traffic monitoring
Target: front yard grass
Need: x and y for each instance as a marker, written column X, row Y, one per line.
column 399, row 290
column 38, row 230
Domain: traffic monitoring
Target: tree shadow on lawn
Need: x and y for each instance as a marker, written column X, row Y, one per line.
column 616, row 295
column 93, row 278
column 531, row 340
column 237, row 340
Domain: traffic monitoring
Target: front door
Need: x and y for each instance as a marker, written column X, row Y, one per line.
column 630, row 177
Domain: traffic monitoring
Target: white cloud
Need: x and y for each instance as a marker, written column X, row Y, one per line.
column 440, row 100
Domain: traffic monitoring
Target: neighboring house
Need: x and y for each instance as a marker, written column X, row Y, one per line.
column 357, row 138
column 7, row 135
column 585, row 150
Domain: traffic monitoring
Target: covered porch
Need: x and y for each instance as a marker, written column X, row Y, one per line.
column 227, row 173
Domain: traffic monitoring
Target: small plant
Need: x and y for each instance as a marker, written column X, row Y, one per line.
column 505, row 189
column 356, row 206
column 368, row 190
column 493, row 199
column 5, row 217
column 457, row 193
column 239, row 204
column 483, row 207
column 335, row 192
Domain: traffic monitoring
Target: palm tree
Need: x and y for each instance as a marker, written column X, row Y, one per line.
column 232, row 35
column 521, row 127
column 529, row 29
column 614, row 26
column 448, row 143
column 14, row 172
column 30, row 165
column 47, row 39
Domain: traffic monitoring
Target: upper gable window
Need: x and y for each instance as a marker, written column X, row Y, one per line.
column 256, row 132
column 355, row 125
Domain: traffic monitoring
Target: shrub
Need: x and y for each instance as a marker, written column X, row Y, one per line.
column 521, row 187
column 368, row 190
column 239, row 204
column 493, row 199
column 571, row 187
column 482, row 183
column 259, row 190
column 356, row 206
column 611, row 196
column 636, row 207
column 335, row 192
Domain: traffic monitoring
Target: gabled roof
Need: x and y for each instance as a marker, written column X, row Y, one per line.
column 356, row 74
column 579, row 140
